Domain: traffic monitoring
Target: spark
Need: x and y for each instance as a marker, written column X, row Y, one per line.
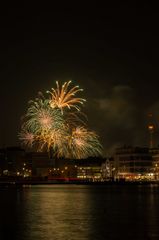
column 53, row 124
column 27, row 138
column 63, row 97
column 84, row 143
column 41, row 117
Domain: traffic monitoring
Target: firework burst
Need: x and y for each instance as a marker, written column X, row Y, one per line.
column 40, row 117
column 26, row 137
column 62, row 97
column 84, row 143
column 52, row 124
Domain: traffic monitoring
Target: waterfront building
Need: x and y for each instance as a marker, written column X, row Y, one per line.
column 134, row 163
column 90, row 168
column 39, row 163
column 77, row 169
column 155, row 157
column 11, row 161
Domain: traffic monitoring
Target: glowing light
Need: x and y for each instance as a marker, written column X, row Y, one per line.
column 26, row 137
column 51, row 124
column 151, row 127
column 41, row 117
column 63, row 97
column 85, row 143
column 82, row 144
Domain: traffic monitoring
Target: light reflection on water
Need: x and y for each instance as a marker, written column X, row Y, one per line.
column 73, row 212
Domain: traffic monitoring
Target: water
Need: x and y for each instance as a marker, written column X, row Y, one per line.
column 73, row 212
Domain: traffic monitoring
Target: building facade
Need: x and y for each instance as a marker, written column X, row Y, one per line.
column 135, row 163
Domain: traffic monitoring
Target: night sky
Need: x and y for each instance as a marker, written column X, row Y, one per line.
column 111, row 51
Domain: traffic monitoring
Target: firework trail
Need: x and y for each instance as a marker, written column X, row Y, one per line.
column 63, row 97
column 57, row 123
column 84, row 143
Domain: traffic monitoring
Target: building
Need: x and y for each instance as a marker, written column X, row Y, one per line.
column 39, row 163
column 90, row 168
column 77, row 169
column 134, row 163
column 12, row 161
column 16, row 162
column 155, row 158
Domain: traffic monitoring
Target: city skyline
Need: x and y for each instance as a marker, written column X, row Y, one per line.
column 111, row 52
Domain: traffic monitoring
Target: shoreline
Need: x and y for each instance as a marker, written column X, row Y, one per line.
column 105, row 183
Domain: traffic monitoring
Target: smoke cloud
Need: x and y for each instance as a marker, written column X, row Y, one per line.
column 117, row 119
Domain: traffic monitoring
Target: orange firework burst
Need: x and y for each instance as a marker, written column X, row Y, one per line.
column 27, row 137
column 83, row 143
column 63, row 97
column 51, row 123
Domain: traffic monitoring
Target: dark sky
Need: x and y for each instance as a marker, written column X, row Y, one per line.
column 111, row 51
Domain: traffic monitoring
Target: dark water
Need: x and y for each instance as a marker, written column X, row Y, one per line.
column 72, row 212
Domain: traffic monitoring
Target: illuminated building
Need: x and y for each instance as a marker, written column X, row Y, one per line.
column 134, row 163
column 155, row 157
column 90, row 168
column 108, row 169
column 11, row 160
column 82, row 169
